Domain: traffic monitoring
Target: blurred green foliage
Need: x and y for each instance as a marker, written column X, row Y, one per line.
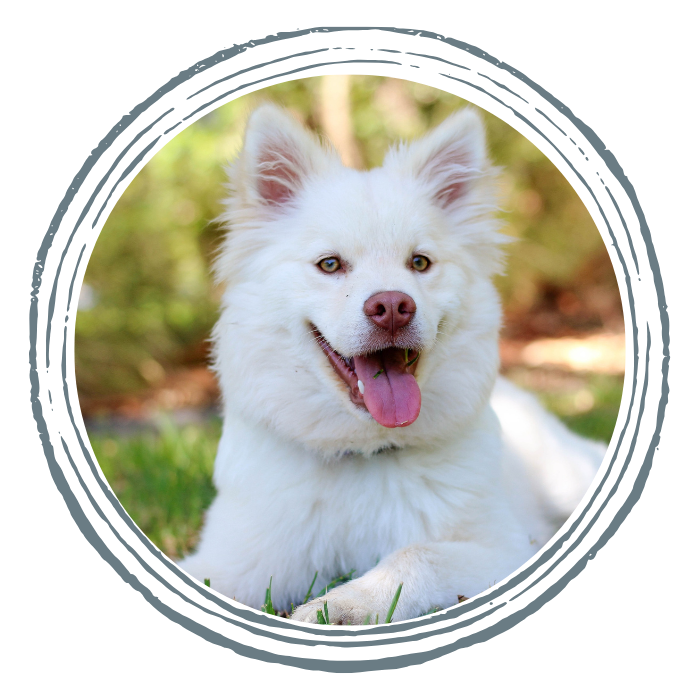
column 149, row 304
column 163, row 479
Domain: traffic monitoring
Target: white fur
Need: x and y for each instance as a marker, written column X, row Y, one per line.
column 307, row 481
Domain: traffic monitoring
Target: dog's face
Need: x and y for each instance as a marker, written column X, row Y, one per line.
column 359, row 311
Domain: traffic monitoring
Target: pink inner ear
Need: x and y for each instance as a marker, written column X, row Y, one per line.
column 449, row 172
column 450, row 193
column 278, row 175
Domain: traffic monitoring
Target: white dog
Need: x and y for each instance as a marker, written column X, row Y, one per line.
column 357, row 352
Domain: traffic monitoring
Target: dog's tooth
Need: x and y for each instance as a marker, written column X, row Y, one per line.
column 361, row 387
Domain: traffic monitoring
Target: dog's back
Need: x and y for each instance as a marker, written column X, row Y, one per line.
column 548, row 469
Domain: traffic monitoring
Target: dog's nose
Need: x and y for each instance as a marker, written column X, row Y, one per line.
column 390, row 310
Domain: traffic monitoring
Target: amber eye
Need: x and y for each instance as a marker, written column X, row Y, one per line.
column 330, row 264
column 420, row 263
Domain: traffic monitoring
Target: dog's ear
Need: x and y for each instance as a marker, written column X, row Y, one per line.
column 448, row 160
column 450, row 165
column 279, row 157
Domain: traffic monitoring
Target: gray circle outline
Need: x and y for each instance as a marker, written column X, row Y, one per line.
column 63, row 254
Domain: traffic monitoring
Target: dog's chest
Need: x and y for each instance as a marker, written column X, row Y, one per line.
column 361, row 507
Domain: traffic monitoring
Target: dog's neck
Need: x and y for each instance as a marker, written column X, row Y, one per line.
column 381, row 450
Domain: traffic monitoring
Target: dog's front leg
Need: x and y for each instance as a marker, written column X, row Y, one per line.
column 432, row 574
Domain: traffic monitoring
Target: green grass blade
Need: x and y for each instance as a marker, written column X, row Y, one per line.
column 392, row 607
column 319, row 617
column 308, row 595
column 368, row 619
column 267, row 608
column 413, row 360
column 207, row 582
column 325, row 610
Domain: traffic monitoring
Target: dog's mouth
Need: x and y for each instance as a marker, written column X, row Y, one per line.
column 381, row 381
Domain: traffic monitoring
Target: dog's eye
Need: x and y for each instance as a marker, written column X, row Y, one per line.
column 420, row 263
column 330, row 264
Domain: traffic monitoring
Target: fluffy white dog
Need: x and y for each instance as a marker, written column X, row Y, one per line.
column 357, row 352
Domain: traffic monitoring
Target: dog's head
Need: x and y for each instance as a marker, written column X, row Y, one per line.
column 359, row 312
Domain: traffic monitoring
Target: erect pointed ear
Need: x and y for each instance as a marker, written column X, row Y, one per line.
column 448, row 160
column 279, row 156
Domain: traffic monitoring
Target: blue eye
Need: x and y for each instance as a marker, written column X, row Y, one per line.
column 330, row 265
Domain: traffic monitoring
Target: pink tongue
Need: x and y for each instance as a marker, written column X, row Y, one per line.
column 393, row 396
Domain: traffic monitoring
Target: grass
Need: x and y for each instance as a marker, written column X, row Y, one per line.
column 322, row 615
column 163, row 477
column 588, row 404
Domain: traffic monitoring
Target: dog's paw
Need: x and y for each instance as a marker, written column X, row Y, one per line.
column 346, row 605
